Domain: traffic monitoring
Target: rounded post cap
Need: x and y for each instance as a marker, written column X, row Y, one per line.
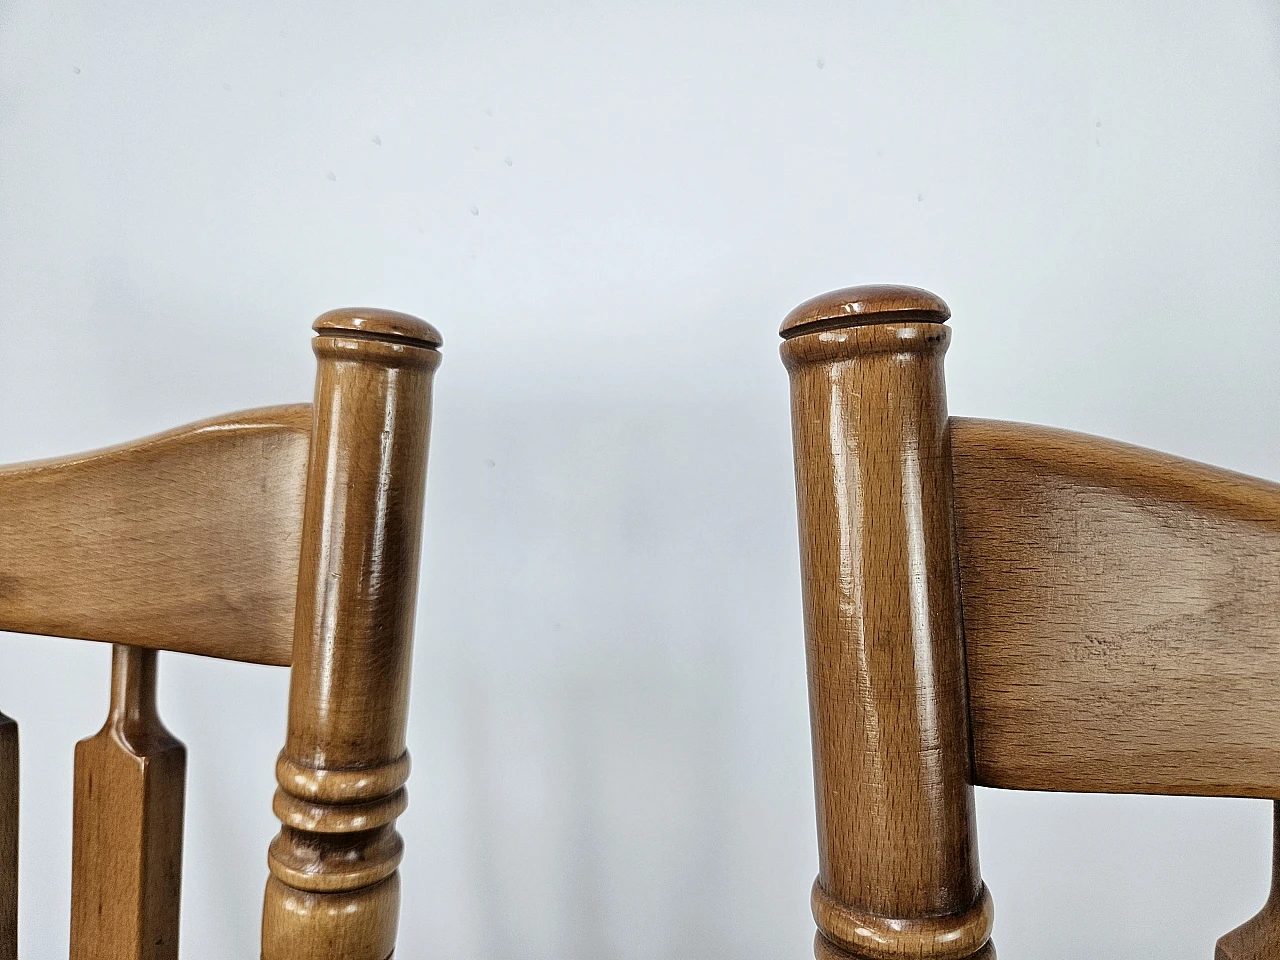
column 865, row 304
column 378, row 325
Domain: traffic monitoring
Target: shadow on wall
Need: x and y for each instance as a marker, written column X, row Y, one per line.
column 610, row 637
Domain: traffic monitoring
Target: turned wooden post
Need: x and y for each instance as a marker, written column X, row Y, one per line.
column 898, row 862
column 334, row 891
column 1259, row 937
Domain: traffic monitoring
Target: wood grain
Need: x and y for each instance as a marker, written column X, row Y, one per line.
column 185, row 541
column 1122, row 622
column 126, row 861
column 898, row 867
column 334, row 890
column 1121, row 627
column 236, row 538
column 8, row 838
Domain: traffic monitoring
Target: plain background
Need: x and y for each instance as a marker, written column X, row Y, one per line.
column 607, row 208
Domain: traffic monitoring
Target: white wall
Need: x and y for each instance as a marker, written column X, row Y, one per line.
column 607, row 208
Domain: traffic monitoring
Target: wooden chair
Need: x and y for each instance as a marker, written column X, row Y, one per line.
column 288, row 536
column 1009, row 606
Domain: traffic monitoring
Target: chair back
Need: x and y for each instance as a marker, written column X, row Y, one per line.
column 286, row 536
column 1009, row 606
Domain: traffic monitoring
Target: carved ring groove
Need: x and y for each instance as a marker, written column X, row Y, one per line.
column 953, row 937
column 341, row 786
column 338, row 818
column 916, row 337
column 342, row 347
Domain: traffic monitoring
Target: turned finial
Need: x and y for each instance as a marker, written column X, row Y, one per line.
column 378, row 324
column 862, row 305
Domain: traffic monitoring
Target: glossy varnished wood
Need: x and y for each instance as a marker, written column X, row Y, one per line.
column 186, row 541
column 127, row 835
column 898, row 869
column 235, row 538
column 334, row 889
column 872, row 303
column 1121, row 625
column 1122, row 616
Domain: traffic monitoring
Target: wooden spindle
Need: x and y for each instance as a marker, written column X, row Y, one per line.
column 334, row 889
column 898, row 864
column 126, row 855
column 8, row 838
column 1259, row 937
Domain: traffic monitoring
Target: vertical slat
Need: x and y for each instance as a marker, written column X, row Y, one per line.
column 898, row 862
column 334, row 890
column 126, row 867
column 8, row 838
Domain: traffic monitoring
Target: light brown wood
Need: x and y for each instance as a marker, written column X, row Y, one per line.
column 234, row 538
column 377, row 324
column 334, row 889
column 898, row 867
column 1122, row 621
column 126, row 868
column 1121, row 626
column 185, row 541
column 8, row 838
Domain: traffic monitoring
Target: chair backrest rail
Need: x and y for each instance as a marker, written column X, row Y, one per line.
column 184, row 541
column 1121, row 617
